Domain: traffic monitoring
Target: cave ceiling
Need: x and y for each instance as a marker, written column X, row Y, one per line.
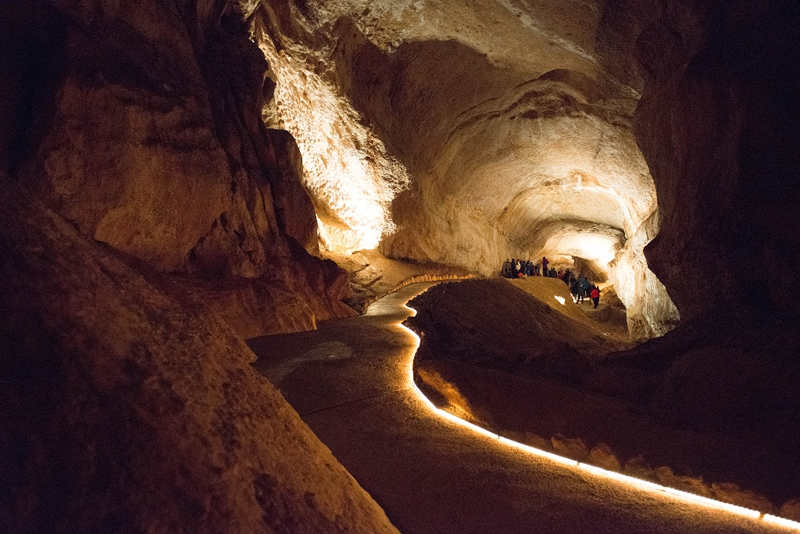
column 467, row 133
column 462, row 132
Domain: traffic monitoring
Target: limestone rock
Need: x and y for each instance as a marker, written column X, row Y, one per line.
column 533, row 155
column 732, row 493
column 126, row 409
column 723, row 167
column 667, row 477
column 791, row 510
column 432, row 379
column 574, row 448
column 601, row 455
column 293, row 207
column 639, row 468
column 145, row 132
column 528, row 438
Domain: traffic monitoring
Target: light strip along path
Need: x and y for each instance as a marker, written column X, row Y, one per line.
column 350, row 382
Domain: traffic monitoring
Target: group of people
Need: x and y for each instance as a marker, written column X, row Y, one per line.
column 580, row 286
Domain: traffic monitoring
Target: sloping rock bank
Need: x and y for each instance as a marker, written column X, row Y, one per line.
column 713, row 412
column 127, row 410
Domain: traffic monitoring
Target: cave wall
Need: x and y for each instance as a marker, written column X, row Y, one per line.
column 148, row 223
column 502, row 131
column 717, row 125
column 649, row 310
column 143, row 128
column 128, row 407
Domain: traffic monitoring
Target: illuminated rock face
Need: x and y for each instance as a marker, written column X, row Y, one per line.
column 513, row 125
column 147, row 136
column 141, row 201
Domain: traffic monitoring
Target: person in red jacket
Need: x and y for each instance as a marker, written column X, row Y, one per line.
column 595, row 295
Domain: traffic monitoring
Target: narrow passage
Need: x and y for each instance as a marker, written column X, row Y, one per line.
column 350, row 381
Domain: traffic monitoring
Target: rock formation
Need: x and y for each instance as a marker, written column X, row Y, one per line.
column 512, row 122
column 132, row 408
column 146, row 134
column 716, row 124
column 149, row 223
column 169, row 165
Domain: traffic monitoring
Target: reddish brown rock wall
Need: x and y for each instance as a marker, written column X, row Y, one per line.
column 717, row 125
column 144, row 131
column 128, row 410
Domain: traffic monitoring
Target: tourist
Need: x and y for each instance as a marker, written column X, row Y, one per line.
column 595, row 295
column 545, row 261
column 585, row 288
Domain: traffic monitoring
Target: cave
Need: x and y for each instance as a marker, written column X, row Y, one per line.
column 216, row 215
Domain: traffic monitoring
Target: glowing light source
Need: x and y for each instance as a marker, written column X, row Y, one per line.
column 561, row 300
column 584, row 467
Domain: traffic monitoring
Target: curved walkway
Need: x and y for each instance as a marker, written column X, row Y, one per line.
column 350, row 381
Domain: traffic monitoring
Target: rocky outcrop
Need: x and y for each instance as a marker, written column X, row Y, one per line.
column 148, row 137
column 649, row 310
column 126, row 408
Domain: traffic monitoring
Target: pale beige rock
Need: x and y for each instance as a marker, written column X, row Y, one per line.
column 533, row 155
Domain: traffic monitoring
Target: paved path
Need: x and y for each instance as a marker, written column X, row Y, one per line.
column 350, row 382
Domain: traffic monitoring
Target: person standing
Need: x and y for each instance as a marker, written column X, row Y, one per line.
column 545, row 272
column 585, row 288
column 595, row 295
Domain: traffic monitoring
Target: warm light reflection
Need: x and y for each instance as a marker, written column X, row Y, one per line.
column 347, row 170
column 561, row 300
column 584, row 467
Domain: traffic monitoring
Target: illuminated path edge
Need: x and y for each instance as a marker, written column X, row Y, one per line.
column 588, row 468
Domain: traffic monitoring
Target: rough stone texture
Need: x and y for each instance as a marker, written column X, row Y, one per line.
column 701, row 405
column 791, row 510
column 145, row 132
column 648, row 308
column 293, row 207
column 603, row 456
column 573, row 448
column 127, row 410
column 472, row 133
column 732, row 493
column 717, row 124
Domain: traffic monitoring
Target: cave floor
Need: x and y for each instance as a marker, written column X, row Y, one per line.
column 350, row 382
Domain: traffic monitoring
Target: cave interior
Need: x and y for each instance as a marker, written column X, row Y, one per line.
column 179, row 177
